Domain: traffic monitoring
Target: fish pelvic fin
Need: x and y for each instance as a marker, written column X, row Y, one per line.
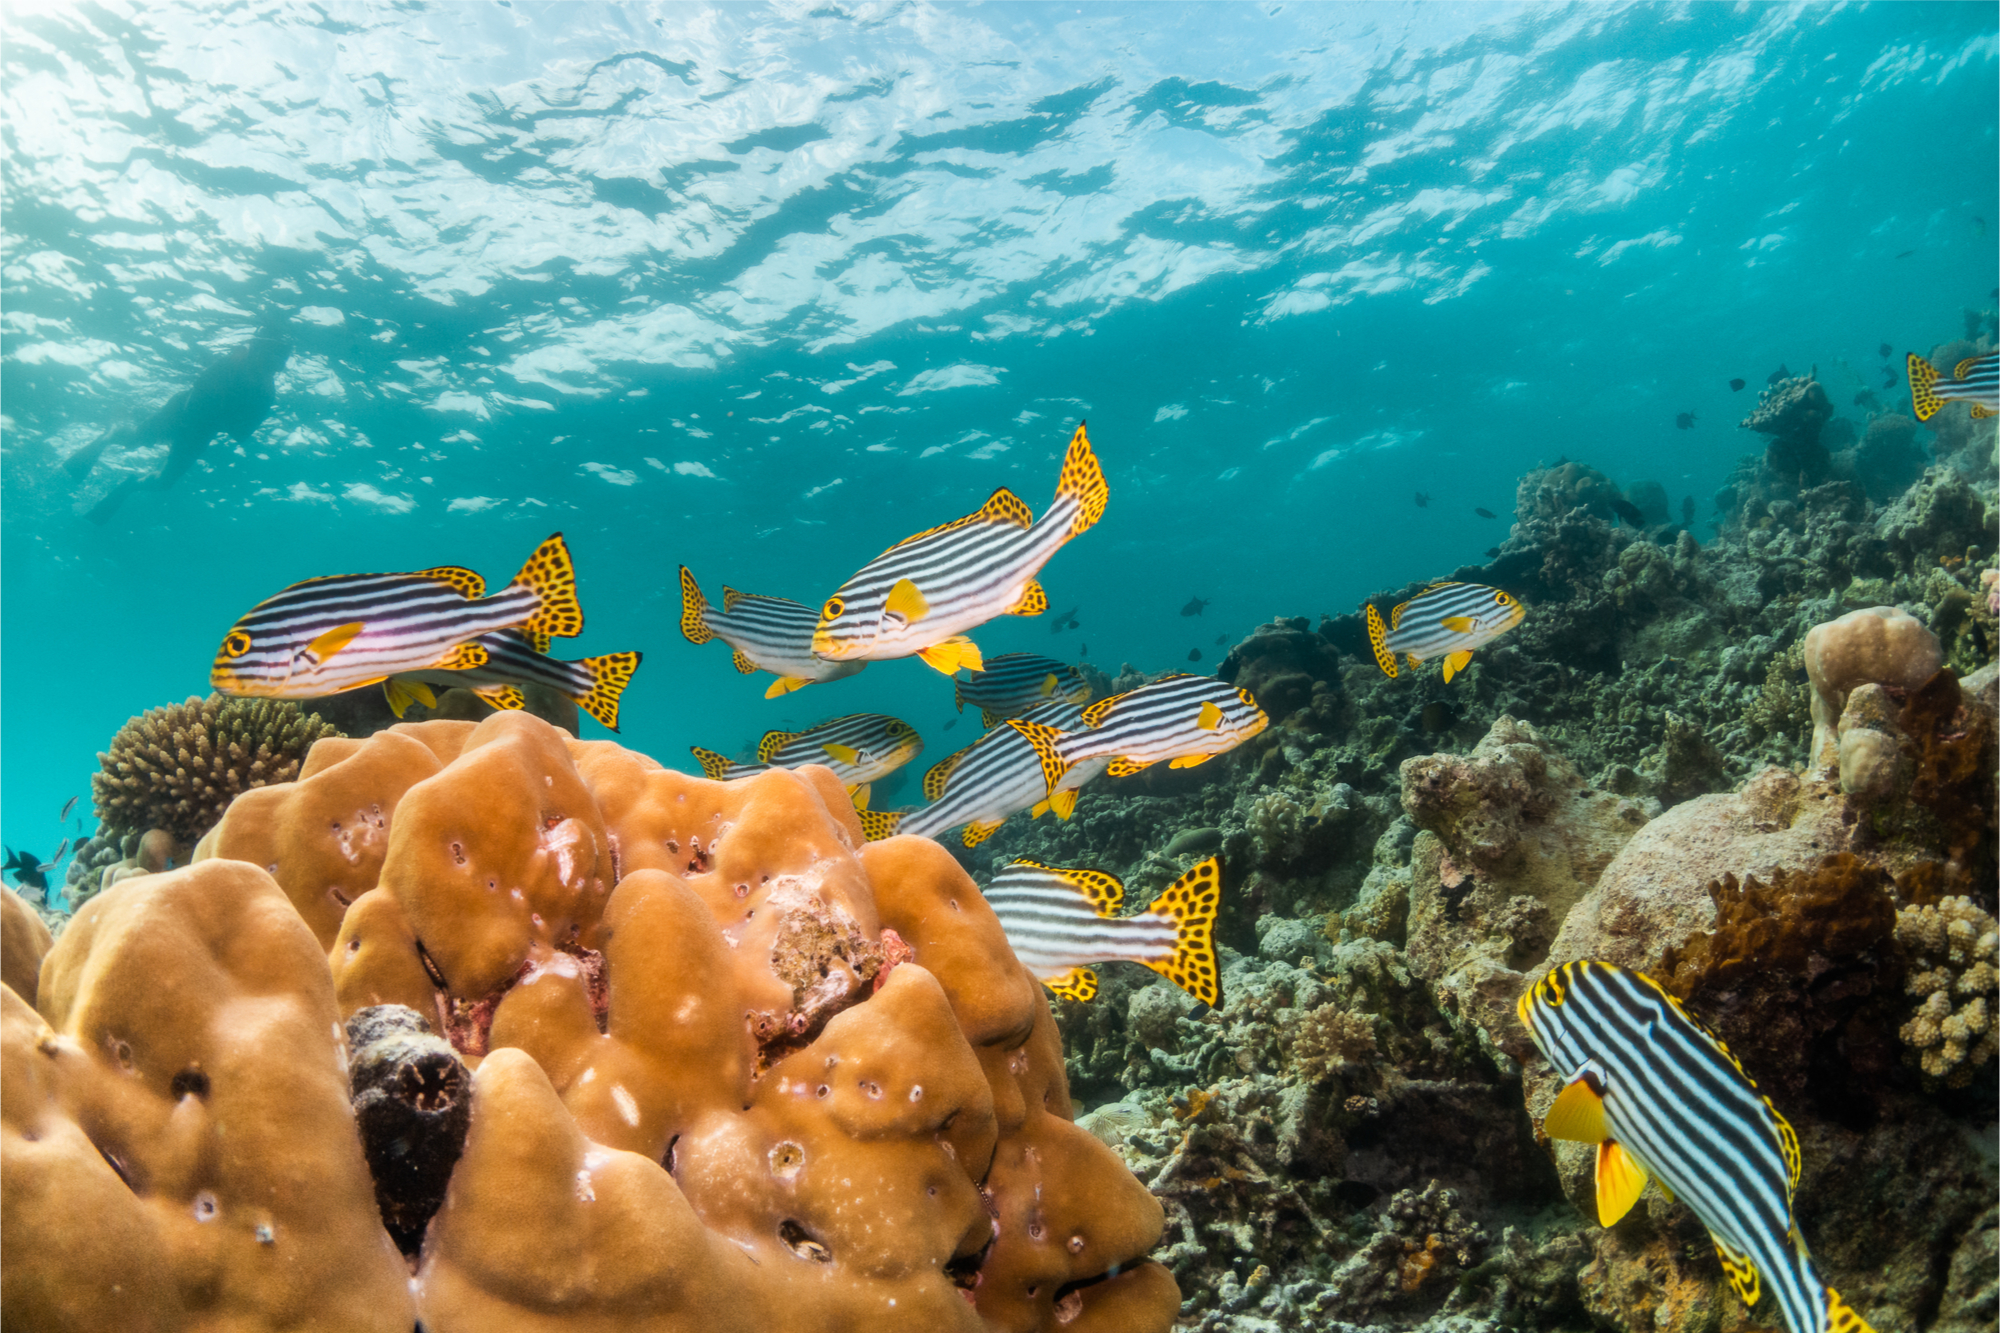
column 1048, row 748
column 402, row 693
column 979, row 830
column 1189, row 760
column 785, row 685
column 1191, row 903
column 952, row 654
column 609, row 675
column 772, row 742
column 1742, row 1273
column 1620, row 1181
column 1033, row 601
column 1082, row 480
column 1923, row 388
column 713, row 765
column 1063, row 803
column 552, row 575
column 940, row 773
column 1840, row 1316
column 1455, row 663
column 1378, row 640
column 1079, row 984
column 468, row 582
column 694, row 610
column 878, row 824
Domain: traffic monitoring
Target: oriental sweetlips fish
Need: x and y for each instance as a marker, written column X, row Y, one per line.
column 1177, row 720
column 591, row 683
column 1659, row 1094
column 1975, row 380
column 859, row 748
column 1445, row 620
column 768, row 634
column 326, row 635
column 918, row 597
column 1059, row 919
column 998, row 775
column 1012, row 683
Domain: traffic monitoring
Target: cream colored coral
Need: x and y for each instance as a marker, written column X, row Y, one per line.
column 1879, row 644
column 1953, row 946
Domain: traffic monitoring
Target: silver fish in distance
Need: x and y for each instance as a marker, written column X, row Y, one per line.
column 591, row 683
column 1058, row 919
column 326, row 635
column 770, row 634
column 1445, row 620
column 919, row 597
column 1012, row 683
column 860, row 749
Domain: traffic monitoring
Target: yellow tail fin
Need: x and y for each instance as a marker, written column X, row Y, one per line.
column 1923, row 400
column 610, row 675
column 694, row 610
column 1378, row 639
column 1191, row 903
column 552, row 574
column 1048, row 748
column 713, row 765
column 1083, row 481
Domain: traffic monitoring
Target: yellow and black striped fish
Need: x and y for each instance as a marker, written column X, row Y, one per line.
column 1057, row 919
column 1445, row 620
column 1012, row 683
column 592, row 683
column 859, row 748
column 1975, row 380
column 977, row 788
column 326, row 635
column 1660, row 1094
column 920, row 596
column 767, row 633
column 1178, row 720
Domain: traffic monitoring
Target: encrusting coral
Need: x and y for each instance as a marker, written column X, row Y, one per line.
column 1953, row 950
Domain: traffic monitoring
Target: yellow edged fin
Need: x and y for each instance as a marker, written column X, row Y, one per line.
column 1063, row 803
column 1924, row 401
column 694, row 610
column 713, row 765
column 1038, row 809
column 1079, row 984
column 1189, row 760
column 859, row 794
column 1742, row 1273
column 1620, row 1181
column 877, row 824
column 1456, row 663
column 1209, row 718
column 403, row 693
column 1103, row 891
column 1082, row 480
column 1191, row 903
column 1978, row 411
column 1048, row 685
column 552, row 575
column 772, row 742
column 730, row 597
column 1964, row 368
column 1094, row 715
column 1840, row 1316
column 989, row 719
column 979, row 830
column 1378, row 641
column 785, row 685
column 506, row 698
column 741, row 661
column 609, row 675
column 954, row 654
column 1788, row 1143
column 331, row 642
column 940, row 773
column 845, row 754
column 465, row 657
column 1577, row 1114
column 1457, row 624
column 905, row 601
column 1033, row 601
column 468, row 583
column 1047, row 743
column 1396, row 615
column 1121, row 767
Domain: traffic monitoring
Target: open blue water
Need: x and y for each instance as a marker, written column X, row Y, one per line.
column 763, row 289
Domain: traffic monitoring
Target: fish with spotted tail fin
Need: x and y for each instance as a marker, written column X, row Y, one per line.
column 860, row 748
column 1059, row 919
column 771, row 634
column 1445, row 620
column 1662, row 1097
column 591, row 683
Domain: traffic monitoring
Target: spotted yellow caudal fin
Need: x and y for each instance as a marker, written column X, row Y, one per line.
column 1840, row 1316
column 1378, row 640
column 465, row 657
column 694, row 610
column 1577, row 1113
column 713, row 765
column 506, row 698
column 609, row 675
column 1047, row 742
column 772, row 742
column 741, row 661
column 403, row 693
column 1209, row 718
column 785, row 685
column 1620, row 1181
column 1121, row 767
column 1082, row 480
column 1033, row 601
column 1741, row 1273
column 979, row 830
column 904, row 600
column 1191, row 903
column 844, row 754
column 1923, row 397
column 1189, row 760
column 552, row 575
column 953, row 655
column 1455, row 663
column 468, row 583
column 1079, row 984
column 877, row 824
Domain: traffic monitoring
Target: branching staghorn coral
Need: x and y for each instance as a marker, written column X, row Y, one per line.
column 178, row 767
column 1952, row 947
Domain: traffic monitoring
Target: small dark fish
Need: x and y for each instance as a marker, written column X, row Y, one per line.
column 1437, row 716
column 68, row 806
column 1884, row 351
column 1492, row 551
column 1736, row 386
column 1628, row 512
column 1779, row 374
column 1906, row 254
column 1423, row 501
column 1980, row 225
column 1687, row 511
column 1866, row 398
column 1484, row 512
column 1684, row 421
column 1889, row 379
column 26, row 869
column 1194, row 654
column 1067, row 620
column 1221, row 639
column 949, row 725
column 1195, row 604
column 1083, row 650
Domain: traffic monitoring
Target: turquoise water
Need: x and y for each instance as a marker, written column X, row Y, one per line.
column 763, row 290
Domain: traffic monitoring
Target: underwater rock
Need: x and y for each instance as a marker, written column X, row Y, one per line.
column 1879, row 645
column 1793, row 412
column 1941, row 515
column 1287, row 666
column 1887, row 458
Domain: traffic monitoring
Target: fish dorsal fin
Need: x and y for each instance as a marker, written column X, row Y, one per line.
column 877, row 824
column 1840, row 1316
column 1094, row 715
column 1378, row 637
column 1396, row 615
column 730, row 597
column 1033, row 601
column 1048, row 748
column 506, row 698
column 772, row 742
column 1620, row 1181
column 1079, row 984
column 1964, row 368
column 1742, row 1273
column 979, row 830
column 1103, row 891
column 1003, row 506
column 1191, row 903
column 1121, row 767
column 1455, row 663
column 468, row 583
column 694, row 609
column 845, row 754
column 1082, row 480
column 1788, row 1144
column 551, row 574
column 713, row 765
column 1578, row 1112
column 784, row 685
column 940, row 773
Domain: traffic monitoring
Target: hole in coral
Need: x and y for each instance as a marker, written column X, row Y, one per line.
column 1036, row 1231
column 341, row 898
column 801, row 1242
column 962, row 1270
column 823, row 1090
column 205, row 1207
column 190, row 1082
column 458, row 853
column 121, row 1051
column 871, row 1089
column 786, row 1159
column 1076, row 1245
column 431, row 968
column 670, row 1160
column 117, row 1164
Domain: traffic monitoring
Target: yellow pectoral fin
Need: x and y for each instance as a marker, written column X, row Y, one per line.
column 1620, row 1181
column 907, row 602
column 1457, row 624
column 1063, row 803
column 785, row 685
column 1190, row 760
column 1455, row 664
column 1048, row 685
column 846, row 754
column 1577, row 1113
column 331, row 642
column 1209, row 718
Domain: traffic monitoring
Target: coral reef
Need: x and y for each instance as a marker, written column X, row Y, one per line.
column 1953, row 947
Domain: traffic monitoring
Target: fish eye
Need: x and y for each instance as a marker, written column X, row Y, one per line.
column 834, row 606
column 1501, row 599
column 237, row 644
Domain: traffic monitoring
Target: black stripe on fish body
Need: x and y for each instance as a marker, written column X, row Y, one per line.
column 883, row 744
column 1161, row 721
column 1014, row 679
column 999, row 776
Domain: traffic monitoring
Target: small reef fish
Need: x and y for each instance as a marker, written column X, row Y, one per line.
column 1906, row 254
column 1423, row 501
column 918, row 597
column 1194, row 654
column 1975, row 380
column 1221, row 639
column 1445, row 620
column 26, row 868
column 1888, row 380
column 1484, row 512
column 1628, row 513
column 1780, row 375
column 1000, row 774
column 1684, row 421
column 1177, row 720
column 1195, row 604
column 1012, row 683
column 1736, row 386
column 1057, row 919
column 326, row 635
column 860, row 748
column 771, row 634
column 591, row 683
column 1067, row 620
column 1885, row 351
column 56, row 860
column 68, row 806
column 1083, row 650
column 1660, row 1095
